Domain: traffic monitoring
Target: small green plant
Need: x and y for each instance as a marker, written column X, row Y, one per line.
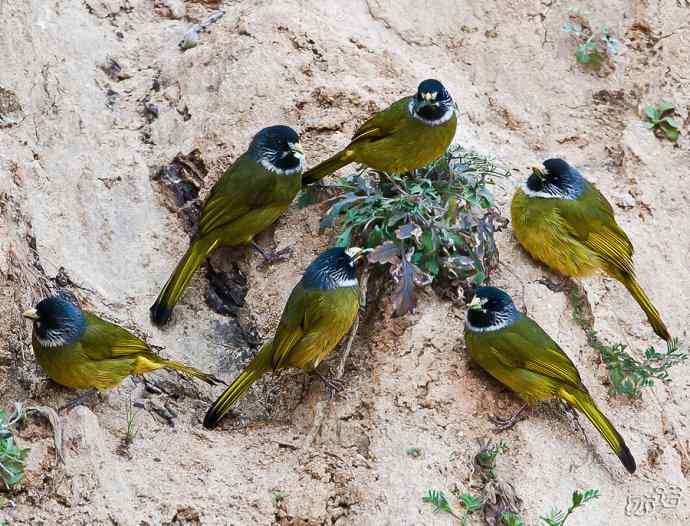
column 132, row 427
column 558, row 517
column 661, row 122
column 414, row 452
column 555, row 517
column 436, row 224
column 469, row 503
column 486, row 458
column 12, row 457
column 508, row 518
column 278, row 496
column 594, row 45
column 628, row 375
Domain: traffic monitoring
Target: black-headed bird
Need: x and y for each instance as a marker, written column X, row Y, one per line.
column 563, row 221
column 518, row 353
column 250, row 196
column 78, row 349
column 319, row 312
column 407, row 135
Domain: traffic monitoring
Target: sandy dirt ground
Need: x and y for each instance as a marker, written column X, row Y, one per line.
column 80, row 205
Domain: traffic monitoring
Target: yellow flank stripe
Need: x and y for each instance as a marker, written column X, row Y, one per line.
column 143, row 364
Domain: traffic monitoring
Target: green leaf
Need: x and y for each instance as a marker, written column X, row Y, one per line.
column 427, row 241
column 665, row 106
column 408, row 230
column 389, row 252
column 671, row 133
column 431, row 266
column 511, row 519
column 671, row 122
column 438, row 500
column 345, row 238
column 470, row 502
column 651, row 113
column 649, row 125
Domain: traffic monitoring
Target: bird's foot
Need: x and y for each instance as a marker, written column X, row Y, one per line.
column 503, row 424
column 334, row 385
column 556, row 286
column 271, row 258
column 79, row 400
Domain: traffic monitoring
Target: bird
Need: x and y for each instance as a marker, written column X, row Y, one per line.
column 250, row 196
column 516, row 351
column 407, row 135
column 562, row 220
column 77, row 349
column 319, row 312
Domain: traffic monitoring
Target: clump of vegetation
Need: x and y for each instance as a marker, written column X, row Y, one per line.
column 556, row 517
column 486, row 458
column 628, row 375
column 470, row 504
column 595, row 45
column 12, row 457
column 661, row 122
column 434, row 225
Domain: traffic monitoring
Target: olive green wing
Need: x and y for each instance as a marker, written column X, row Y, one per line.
column 525, row 346
column 291, row 326
column 103, row 340
column 591, row 221
column 243, row 187
column 383, row 123
column 326, row 316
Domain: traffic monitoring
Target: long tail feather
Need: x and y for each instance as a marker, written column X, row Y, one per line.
column 327, row 167
column 643, row 300
column 162, row 309
column 259, row 366
column 193, row 372
column 584, row 403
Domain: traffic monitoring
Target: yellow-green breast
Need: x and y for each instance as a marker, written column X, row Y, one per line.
column 541, row 230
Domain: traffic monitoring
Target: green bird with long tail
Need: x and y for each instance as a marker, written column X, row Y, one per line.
column 319, row 312
column 407, row 135
column 250, row 196
column 562, row 220
column 518, row 353
column 78, row 349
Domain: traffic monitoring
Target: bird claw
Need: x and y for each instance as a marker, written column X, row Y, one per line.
column 271, row 258
column 503, row 424
column 78, row 400
column 556, row 286
column 334, row 385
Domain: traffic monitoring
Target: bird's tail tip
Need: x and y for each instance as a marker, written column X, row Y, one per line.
column 627, row 459
column 212, row 418
column 160, row 313
column 648, row 307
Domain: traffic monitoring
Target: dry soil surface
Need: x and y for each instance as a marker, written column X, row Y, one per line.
column 96, row 96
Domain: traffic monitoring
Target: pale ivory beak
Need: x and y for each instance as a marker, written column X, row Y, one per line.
column 32, row 314
column 297, row 150
column 537, row 170
column 355, row 253
column 476, row 303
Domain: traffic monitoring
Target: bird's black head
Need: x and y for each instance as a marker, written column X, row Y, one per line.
column 432, row 104
column 556, row 180
column 490, row 309
column 333, row 269
column 277, row 148
column 57, row 322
